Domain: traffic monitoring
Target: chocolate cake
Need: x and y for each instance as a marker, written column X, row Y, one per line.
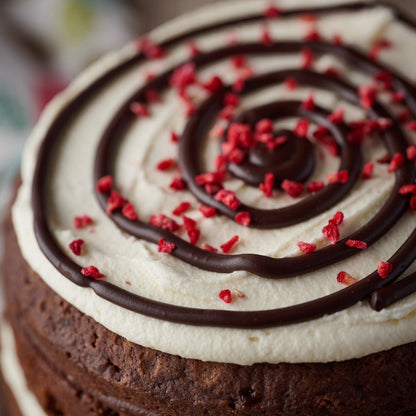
column 219, row 220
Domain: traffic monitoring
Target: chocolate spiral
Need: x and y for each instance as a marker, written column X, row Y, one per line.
column 382, row 292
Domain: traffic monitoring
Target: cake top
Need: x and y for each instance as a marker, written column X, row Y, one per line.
column 242, row 181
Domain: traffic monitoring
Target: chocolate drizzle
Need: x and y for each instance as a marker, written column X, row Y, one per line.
column 382, row 292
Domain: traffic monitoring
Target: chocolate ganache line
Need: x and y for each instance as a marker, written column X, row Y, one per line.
column 196, row 129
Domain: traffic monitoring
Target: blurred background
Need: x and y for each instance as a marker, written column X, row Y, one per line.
column 44, row 44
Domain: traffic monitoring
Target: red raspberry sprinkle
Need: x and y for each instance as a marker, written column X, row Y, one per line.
column 356, row 244
column 192, row 230
column 291, row 83
column 76, row 246
column 212, row 188
column 292, row 188
column 338, row 177
column 337, row 116
column 82, row 222
column 214, row 84
column 384, row 269
column 309, row 103
column 384, row 159
column 225, row 296
column 413, row 203
column 227, row 113
column 114, row 201
column 307, row 58
column 397, row 97
column 265, row 125
column 378, row 46
column 228, row 198
column 407, row 189
column 267, row 186
column 306, row 247
column 165, row 246
column 208, row 247
column 129, row 212
column 332, row 72
column 226, row 247
column 139, row 109
column 104, row 184
column 337, row 218
column 207, row 212
column 397, row 160
column 238, row 61
column 331, row 233
column 266, row 37
column 92, row 271
column 236, row 156
column 193, row 49
column 368, row 170
column 367, row 95
column 177, row 184
column 165, row 222
column 238, row 85
column 302, row 128
column 152, row 96
column 411, row 126
column 346, row 279
column 166, row 164
column 243, row 218
column 210, row 177
column 184, row 76
column 272, row 12
column 313, row 187
column 181, row 208
column 150, row 49
column 174, row 138
column 411, row 153
column 231, row 100
column 313, row 35
column 220, row 163
column 337, row 40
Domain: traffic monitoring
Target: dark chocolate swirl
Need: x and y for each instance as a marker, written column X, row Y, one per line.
column 381, row 291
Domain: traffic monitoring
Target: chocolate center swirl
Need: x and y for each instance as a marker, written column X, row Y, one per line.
column 252, row 172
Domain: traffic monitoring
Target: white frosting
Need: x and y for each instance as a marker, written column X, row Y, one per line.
column 14, row 376
column 137, row 266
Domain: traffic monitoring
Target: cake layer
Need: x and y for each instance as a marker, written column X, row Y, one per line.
column 135, row 267
column 77, row 367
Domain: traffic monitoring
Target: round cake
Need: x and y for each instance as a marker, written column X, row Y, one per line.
column 219, row 219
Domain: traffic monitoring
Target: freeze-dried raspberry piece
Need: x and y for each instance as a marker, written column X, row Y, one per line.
column 397, row 160
column 337, row 218
column 337, row 116
column 92, row 271
column 407, row 189
column 82, row 221
column 331, row 233
column 238, row 61
column 411, row 153
column 272, row 12
column 225, row 296
column 140, row 109
column 76, row 246
column 309, row 103
column 114, row 201
column 265, row 125
column 226, row 247
column 166, row 164
column 214, row 84
column 231, row 99
column 243, row 218
column 367, row 95
column 163, row 221
column 292, row 188
column 291, row 83
column 267, row 186
column 313, row 187
column 302, row 127
column 307, row 58
column 337, row 40
column 178, row 184
column 313, row 35
column 346, row 278
column 104, row 184
column 152, row 96
column 228, row 198
column 209, row 248
column 306, row 247
column 207, row 212
column 150, row 48
column 191, row 229
column 236, row 156
column 174, row 137
column 266, row 38
column 384, row 269
column 165, row 246
column 356, row 244
column 129, row 212
column 368, row 170
column 183, row 77
column 338, row 177
column 210, row 177
column 181, row 208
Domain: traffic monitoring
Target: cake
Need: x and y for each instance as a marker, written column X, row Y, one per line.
column 218, row 219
